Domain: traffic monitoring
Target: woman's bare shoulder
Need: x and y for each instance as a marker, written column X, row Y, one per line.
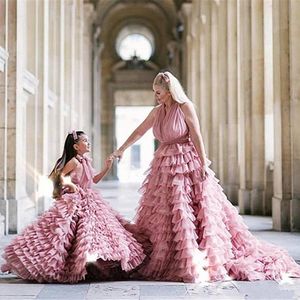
column 187, row 107
column 155, row 109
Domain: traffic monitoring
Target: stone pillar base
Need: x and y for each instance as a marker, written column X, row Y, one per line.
column 224, row 188
column 111, row 177
column 295, row 213
column 268, row 190
column 27, row 212
column 257, row 202
column 43, row 204
column 21, row 212
column 280, row 214
column 12, row 216
column 244, row 202
column 232, row 193
column 3, row 217
column 267, row 203
column 2, row 226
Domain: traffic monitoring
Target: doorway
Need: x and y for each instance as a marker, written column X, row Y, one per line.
column 137, row 158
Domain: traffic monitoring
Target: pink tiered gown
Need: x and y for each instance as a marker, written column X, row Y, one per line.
column 57, row 246
column 196, row 233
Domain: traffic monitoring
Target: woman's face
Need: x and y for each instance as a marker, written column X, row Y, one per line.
column 161, row 95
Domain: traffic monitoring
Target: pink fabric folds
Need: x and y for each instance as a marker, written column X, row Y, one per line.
column 196, row 233
column 79, row 226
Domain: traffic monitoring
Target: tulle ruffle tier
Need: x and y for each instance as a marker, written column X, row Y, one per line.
column 196, row 233
column 78, row 228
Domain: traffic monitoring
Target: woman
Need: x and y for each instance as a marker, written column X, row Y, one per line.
column 195, row 232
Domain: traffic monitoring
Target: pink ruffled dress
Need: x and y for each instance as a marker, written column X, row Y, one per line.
column 195, row 232
column 78, row 227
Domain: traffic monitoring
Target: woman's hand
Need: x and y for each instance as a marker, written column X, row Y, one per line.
column 203, row 174
column 118, row 154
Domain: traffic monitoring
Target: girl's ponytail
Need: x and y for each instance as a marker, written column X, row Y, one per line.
column 68, row 153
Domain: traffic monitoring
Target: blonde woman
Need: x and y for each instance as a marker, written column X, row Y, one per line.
column 195, row 232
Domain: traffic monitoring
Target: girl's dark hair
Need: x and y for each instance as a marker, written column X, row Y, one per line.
column 68, row 153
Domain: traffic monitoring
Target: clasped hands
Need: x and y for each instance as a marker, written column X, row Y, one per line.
column 118, row 154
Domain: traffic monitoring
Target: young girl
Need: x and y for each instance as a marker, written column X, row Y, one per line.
column 79, row 227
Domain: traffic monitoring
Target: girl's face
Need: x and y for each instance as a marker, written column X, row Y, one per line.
column 161, row 95
column 83, row 144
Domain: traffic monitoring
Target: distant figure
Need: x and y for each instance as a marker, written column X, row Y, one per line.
column 79, row 227
column 196, row 233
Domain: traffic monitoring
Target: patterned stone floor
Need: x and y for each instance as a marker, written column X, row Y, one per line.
column 124, row 197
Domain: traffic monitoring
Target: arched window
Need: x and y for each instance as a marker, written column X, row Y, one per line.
column 135, row 41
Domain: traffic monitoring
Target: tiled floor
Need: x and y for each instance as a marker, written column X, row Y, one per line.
column 124, row 198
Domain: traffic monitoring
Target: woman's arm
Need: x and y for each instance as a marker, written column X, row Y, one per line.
column 194, row 127
column 137, row 133
column 108, row 165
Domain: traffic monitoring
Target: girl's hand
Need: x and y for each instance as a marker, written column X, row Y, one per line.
column 109, row 162
column 118, row 154
column 72, row 188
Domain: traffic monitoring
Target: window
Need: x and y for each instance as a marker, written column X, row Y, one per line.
column 135, row 41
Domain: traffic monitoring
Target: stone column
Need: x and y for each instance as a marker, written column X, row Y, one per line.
column 87, row 80
column 96, row 97
column 268, row 108
column 187, row 53
column 214, row 86
column 244, row 103
column 3, row 5
column 195, row 74
column 257, row 106
column 222, row 94
column 18, row 82
column 3, row 116
column 54, row 70
column 282, row 154
column 74, row 103
column 81, row 105
column 52, row 100
column 72, row 60
column 174, row 63
column 68, row 65
column 205, row 76
column 232, row 166
column 61, row 59
column 294, row 52
column 42, row 118
column 28, row 127
column 12, row 87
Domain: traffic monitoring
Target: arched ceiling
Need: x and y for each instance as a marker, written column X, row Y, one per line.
column 167, row 7
column 159, row 16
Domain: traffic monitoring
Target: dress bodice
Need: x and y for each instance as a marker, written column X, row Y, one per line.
column 170, row 126
column 83, row 174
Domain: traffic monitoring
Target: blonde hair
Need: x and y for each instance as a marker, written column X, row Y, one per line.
column 169, row 82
